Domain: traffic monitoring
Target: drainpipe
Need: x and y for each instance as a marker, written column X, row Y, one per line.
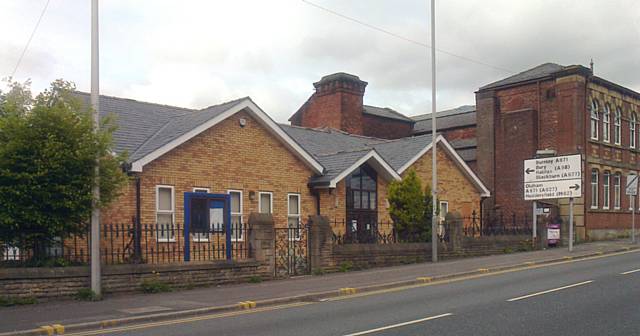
column 137, row 232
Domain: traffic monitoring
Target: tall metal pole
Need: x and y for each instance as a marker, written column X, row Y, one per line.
column 633, row 219
column 535, row 222
column 571, row 224
column 434, row 134
column 96, row 285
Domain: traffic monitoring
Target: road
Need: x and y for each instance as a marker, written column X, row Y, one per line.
column 597, row 296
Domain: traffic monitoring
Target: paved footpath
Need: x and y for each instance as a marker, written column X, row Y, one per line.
column 139, row 306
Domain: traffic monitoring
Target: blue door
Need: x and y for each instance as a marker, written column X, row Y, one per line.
column 206, row 214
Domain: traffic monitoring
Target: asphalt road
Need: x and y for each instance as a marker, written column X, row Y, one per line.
column 588, row 297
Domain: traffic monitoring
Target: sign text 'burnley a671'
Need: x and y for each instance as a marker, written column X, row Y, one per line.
column 553, row 177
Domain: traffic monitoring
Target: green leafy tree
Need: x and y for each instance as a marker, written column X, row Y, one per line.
column 48, row 156
column 407, row 207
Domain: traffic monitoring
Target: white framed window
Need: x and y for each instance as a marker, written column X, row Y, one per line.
column 594, row 119
column 594, row 188
column 293, row 215
column 237, row 223
column 165, row 213
column 617, row 126
column 632, row 130
column 616, row 191
column 606, row 123
column 443, row 210
column 201, row 190
column 606, row 184
column 265, row 202
column 9, row 253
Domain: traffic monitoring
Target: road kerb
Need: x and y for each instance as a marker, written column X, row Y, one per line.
column 310, row 297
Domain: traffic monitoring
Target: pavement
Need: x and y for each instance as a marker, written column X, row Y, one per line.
column 133, row 309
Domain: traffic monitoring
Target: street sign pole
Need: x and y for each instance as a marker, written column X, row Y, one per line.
column 571, row 224
column 535, row 222
column 633, row 220
column 631, row 189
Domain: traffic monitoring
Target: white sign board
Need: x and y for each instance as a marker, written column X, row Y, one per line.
column 553, row 234
column 553, row 177
column 632, row 185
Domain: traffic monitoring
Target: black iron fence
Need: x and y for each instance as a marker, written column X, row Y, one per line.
column 145, row 243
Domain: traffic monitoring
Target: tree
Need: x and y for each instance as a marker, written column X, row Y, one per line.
column 407, row 208
column 48, row 154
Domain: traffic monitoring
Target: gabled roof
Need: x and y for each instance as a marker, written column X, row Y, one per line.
column 462, row 116
column 339, row 152
column 147, row 130
column 541, row 71
column 385, row 112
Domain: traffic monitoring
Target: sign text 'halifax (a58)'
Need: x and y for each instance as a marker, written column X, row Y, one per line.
column 553, row 177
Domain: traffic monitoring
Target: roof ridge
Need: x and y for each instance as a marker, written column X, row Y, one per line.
column 138, row 101
column 227, row 102
column 147, row 140
column 364, row 149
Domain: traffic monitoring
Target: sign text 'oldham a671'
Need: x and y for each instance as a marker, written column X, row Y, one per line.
column 553, row 177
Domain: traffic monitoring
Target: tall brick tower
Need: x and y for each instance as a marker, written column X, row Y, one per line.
column 337, row 103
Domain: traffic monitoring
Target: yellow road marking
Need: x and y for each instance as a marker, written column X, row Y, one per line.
column 424, row 279
column 59, row 329
column 348, row 291
column 549, row 291
column 298, row 304
column 46, row 330
column 366, row 332
column 187, row 320
column 483, row 270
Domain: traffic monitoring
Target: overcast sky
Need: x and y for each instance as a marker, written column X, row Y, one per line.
column 200, row 53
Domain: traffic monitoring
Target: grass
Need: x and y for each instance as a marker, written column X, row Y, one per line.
column 346, row 266
column 17, row 301
column 155, row 286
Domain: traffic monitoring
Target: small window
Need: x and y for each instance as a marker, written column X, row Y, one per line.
column 594, row 188
column 293, row 215
column 632, row 130
column 594, row 119
column 606, row 184
column 616, row 191
column 165, row 213
column 201, row 190
column 617, row 126
column 264, row 202
column 237, row 224
column 443, row 210
column 606, row 123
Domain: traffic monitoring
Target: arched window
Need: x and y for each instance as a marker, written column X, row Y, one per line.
column 594, row 188
column 632, row 130
column 362, row 202
column 606, row 123
column 594, row 119
column 617, row 126
column 606, row 184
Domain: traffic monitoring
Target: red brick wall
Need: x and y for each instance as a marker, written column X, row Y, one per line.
column 460, row 133
column 385, row 128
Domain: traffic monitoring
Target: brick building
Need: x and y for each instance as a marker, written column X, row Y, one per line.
column 570, row 110
column 200, row 170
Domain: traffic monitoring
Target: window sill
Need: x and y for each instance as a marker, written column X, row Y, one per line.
column 163, row 240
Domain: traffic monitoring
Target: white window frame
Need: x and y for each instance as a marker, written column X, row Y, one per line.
column 606, row 124
column 594, row 191
column 617, row 181
column 233, row 238
column 606, row 189
column 632, row 130
column 260, row 193
column 298, row 215
column 440, row 214
column 617, row 126
column 198, row 189
column 594, row 118
column 172, row 211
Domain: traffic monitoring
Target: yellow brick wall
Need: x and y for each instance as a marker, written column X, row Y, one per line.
column 453, row 186
column 224, row 157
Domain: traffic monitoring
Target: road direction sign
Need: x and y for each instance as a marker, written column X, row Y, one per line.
column 553, row 177
column 632, row 185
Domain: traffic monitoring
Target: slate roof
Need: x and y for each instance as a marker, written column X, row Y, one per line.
column 461, row 116
column 541, row 71
column 385, row 112
column 337, row 150
column 144, row 127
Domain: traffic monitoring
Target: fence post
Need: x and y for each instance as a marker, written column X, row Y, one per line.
column 320, row 233
column 262, row 239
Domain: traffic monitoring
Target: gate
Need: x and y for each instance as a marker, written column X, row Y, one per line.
column 291, row 250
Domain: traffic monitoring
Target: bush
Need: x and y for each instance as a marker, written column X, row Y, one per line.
column 86, row 294
column 17, row 301
column 255, row 279
column 155, row 286
column 346, row 266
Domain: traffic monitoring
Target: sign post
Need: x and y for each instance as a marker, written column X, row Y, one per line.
column 631, row 189
column 552, row 178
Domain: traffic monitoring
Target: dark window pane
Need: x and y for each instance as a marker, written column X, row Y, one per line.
column 365, row 200
column 199, row 213
column 372, row 200
column 356, row 200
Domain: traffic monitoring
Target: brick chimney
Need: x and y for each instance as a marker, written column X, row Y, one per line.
column 337, row 103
